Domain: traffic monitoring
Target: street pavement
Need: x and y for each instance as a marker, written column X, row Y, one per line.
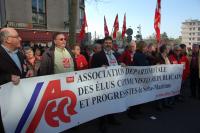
column 183, row 118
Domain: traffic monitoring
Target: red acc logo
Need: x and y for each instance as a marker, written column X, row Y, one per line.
column 70, row 79
column 53, row 110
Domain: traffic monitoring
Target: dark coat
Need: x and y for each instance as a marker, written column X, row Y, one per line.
column 140, row 59
column 160, row 59
column 152, row 58
column 100, row 59
column 8, row 66
column 47, row 63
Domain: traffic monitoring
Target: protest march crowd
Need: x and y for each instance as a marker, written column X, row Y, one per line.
column 17, row 62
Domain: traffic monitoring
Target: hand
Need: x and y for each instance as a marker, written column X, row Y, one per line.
column 104, row 66
column 15, row 79
column 123, row 65
column 30, row 73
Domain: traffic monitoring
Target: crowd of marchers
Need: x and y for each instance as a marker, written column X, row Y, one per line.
column 18, row 62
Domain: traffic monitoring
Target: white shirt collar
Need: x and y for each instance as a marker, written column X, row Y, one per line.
column 9, row 51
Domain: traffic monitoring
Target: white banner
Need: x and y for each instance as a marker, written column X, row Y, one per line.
column 54, row 103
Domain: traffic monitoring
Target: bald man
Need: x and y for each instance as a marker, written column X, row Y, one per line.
column 12, row 62
column 127, row 56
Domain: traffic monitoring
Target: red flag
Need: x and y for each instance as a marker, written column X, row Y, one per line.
column 106, row 32
column 124, row 27
column 157, row 20
column 82, row 31
column 116, row 27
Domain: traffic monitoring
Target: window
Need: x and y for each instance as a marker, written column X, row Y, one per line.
column 190, row 34
column 82, row 2
column 189, row 38
column 193, row 28
column 82, row 6
column 199, row 29
column 198, row 39
column 39, row 12
column 81, row 16
column 199, row 33
column 193, row 38
column 0, row 19
column 190, row 28
column 193, row 33
column 189, row 43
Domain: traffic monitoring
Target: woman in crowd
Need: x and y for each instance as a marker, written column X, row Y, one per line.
column 178, row 58
column 140, row 58
column 33, row 63
column 163, row 59
column 38, row 54
column 151, row 54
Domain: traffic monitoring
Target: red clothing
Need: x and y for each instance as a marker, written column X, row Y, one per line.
column 81, row 62
column 127, row 57
column 183, row 60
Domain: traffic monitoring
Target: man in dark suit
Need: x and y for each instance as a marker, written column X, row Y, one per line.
column 107, row 57
column 12, row 63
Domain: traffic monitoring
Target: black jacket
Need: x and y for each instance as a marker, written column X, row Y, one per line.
column 100, row 59
column 140, row 59
column 8, row 66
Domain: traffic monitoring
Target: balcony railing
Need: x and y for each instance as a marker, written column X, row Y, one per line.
column 39, row 18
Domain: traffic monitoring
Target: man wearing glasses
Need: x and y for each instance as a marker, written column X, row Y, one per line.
column 107, row 57
column 12, row 62
column 57, row 59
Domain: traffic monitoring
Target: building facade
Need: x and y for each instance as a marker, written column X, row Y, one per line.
column 190, row 32
column 37, row 20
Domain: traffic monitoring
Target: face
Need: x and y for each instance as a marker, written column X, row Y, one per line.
column 184, row 49
column 60, row 41
column 132, row 47
column 145, row 49
column 13, row 40
column 108, row 45
column 168, row 50
column 152, row 49
column 178, row 51
column 29, row 54
column 77, row 50
column 37, row 52
column 97, row 48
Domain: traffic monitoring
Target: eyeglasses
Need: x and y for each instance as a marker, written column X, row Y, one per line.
column 62, row 39
column 17, row 36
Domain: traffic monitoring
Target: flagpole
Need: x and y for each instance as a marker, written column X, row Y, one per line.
column 95, row 34
column 112, row 31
